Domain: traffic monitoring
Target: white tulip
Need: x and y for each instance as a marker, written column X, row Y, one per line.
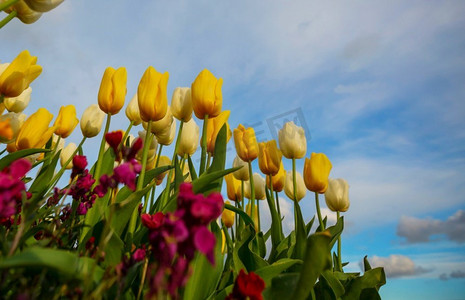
column 132, row 111
column 259, row 184
column 66, row 154
column 181, row 104
column 242, row 173
column 337, row 195
column 289, row 186
column 189, row 141
column 43, row 5
column 16, row 121
column 18, row 104
column 292, row 141
column 166, row 137
column 91, row 121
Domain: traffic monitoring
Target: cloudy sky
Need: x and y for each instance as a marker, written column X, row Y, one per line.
column 378, row 86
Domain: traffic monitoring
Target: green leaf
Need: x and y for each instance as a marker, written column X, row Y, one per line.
column 317, row 259
column 65, row 263
column 300, row 233
column 191, row 168
column 366, row 264
column 276, row 226
column 336, row 231
column 8, row 159
column 267, row 273
column 219, row 154
column 281, row 286
column 372, row 279
column 247, row 219
column 332, row 283
column 205, row 277
column 207, row 181
column 309, row 225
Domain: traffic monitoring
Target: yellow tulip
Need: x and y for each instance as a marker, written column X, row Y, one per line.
column 292, row 141
column 213, row 128
column 151, row 94
column 246, row 143
column 43, row 5
column 6, row 133
column 112, row 90
column 228, row 216
column 91, row 121
column 289, row 186
column 243, row 172
column 181, row 104
column 19, row 74
column 337, row 195
column 66, row 154
column 189, row 140
column 278, row 180
column 269, row 157
column 66, row 121
column 316, row 172
column 24, row 12
column 35, row 131
column 207, row 98
column 18, row 104
column 164, row 161
column 132, row 111
column 233, row 187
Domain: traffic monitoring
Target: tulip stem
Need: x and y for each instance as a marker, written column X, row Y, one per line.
column 317, row 201
column 98, row 167
column 294, row 179
column 277, row 204
column 147, row 141
column 5, row 21
column 158, row 156
column 252, row 192
column 339, row 260
column 7, row 4
column 204, row 145
column 178, row 140
column 126, row 134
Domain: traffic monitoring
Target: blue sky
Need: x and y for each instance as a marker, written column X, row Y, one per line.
column 380, row 85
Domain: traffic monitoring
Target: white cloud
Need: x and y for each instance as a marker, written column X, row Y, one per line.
column 397, row 265
column 417, row 230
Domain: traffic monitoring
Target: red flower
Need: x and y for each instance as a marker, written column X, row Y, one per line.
column 247, row 286
column 114, row 139
column 153, row 221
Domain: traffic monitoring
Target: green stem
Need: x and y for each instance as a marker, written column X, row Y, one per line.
column 98, row 167
column 58, row 175
column 5, row 21
column 317, row 202
column 294, row 179
column 147, row 141
column 258, row 214
column 252, row 191
column 277, row 204
column 158, row 156
column 126, row 134
column 209, row 157
column 142, row 281
column 204, row 145
column 339, row 248
column 178, row 140
column 7, row 4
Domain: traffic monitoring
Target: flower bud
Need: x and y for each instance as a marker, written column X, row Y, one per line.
column 233, row 187
column 35, row 131
column 132, row 111
column 151, row 95
column 6, row 133
column 18, row 104
column 166, row 137
column 242, row 173
column 259, row 184
column 278, row 179
column 66, row 154
column 269, row 157
column 207, row 98
column 19, row 74
column 289, row 186
column 228, row 216
column 181, row 104
column 189, row 140
column 91, row 121
column 24, row 12
column 292, row 141
column 246, row 143
column 66, row 121
column 316, row 172
column 337, row 195
column 112, row 90
column 213, row 128
column 43, row 5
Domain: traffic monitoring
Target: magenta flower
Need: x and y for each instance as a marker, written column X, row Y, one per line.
column 12, row 188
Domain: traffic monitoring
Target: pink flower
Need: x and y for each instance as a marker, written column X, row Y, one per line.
column 12, row 188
